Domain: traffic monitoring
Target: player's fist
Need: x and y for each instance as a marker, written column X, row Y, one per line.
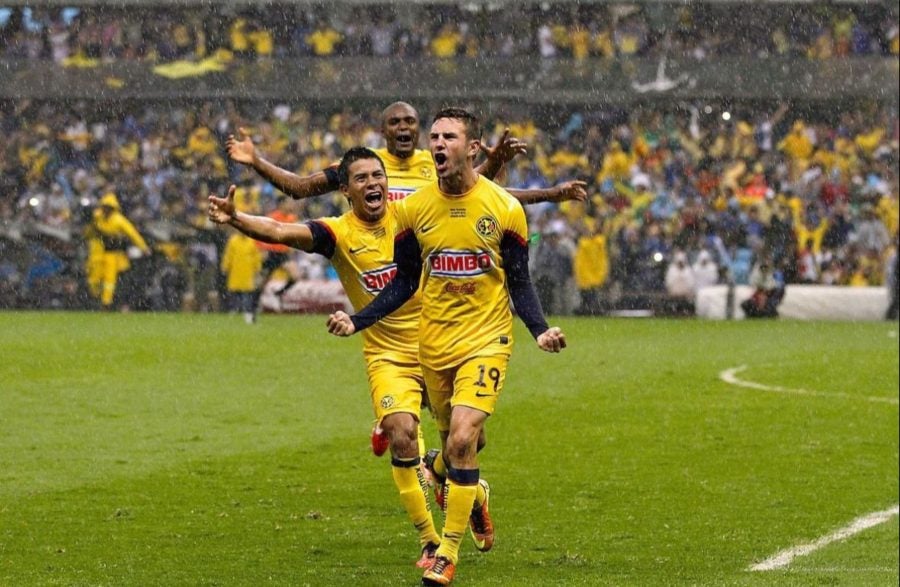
column 339, row 324
column 552, row 340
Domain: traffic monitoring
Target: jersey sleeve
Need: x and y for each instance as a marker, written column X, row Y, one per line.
column 324, row 237
column 514, row 249
column 402, row 286
column 408, row 258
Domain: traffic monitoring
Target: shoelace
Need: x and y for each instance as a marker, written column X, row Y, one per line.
column 440, row 565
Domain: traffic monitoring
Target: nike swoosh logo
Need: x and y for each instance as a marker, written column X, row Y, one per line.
column 479, row 394
column 356, row 250
column 425, row 229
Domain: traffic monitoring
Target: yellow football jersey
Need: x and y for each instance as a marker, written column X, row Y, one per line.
column 407, row 175
column 363, row 256
column 465, row 307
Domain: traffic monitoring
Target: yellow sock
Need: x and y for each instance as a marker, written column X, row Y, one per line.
column 459, row 499
column 440, row 467
column 421, row 440
column 480, row 495
column 411, row 484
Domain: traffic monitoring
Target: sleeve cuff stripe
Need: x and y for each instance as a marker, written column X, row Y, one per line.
column 516, row 237
column 327, row 228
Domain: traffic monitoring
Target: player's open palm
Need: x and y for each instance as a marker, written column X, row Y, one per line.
column 505, row 150
column 340, row 324
column 552, row 340
column 221, row 210
column 241, row 150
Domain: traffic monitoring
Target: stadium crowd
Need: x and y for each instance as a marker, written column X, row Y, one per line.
column 679, row 197
column 91, row 34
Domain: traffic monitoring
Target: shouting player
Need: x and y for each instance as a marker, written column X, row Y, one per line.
column 360, row 245
column 408, row 169
column 470, row 237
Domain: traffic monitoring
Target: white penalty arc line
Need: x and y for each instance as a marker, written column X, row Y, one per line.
column 784, row 558
column 730, row 376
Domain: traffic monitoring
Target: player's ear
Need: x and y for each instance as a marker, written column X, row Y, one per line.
column 474, row 147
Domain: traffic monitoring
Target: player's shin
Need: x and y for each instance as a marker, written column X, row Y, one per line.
column 460, row 493
column 412, row 488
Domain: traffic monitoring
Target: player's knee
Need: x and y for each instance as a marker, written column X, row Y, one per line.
column 402, row 431
column 462, row 444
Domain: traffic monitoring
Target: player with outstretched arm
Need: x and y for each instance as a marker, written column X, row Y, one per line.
column 465, row 239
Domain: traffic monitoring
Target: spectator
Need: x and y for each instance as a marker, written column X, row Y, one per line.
column 552, row 267
column 767, row 292
column 706, row 273
column 591, row 268
column 681, row 285
column 241, row 265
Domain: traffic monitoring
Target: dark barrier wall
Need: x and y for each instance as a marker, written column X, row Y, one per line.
column 525, row 80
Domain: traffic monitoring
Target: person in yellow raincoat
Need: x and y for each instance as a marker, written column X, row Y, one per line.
column 241, row 263
column 109, row 238
column 591, row 267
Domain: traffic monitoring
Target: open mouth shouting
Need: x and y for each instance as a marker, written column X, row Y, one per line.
column 404, row 141
column 441, row 162
column 374, row 198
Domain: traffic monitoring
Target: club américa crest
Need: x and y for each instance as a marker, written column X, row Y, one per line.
column 486, row 226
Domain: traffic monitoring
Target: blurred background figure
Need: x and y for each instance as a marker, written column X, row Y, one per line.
column 767, row 292
column 113, row 241
column 552, row 267
column 893, row 283
column 241, row 264
column 681, row 285
column 591, row 268
column 278, row 257
column 706, row 272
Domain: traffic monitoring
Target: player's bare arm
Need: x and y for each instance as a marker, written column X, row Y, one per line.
column 561, row 192
column 500, row 154
column 261, row 228
column 244, row 151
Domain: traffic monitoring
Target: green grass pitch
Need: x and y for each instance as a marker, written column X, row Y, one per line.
column 196, row 450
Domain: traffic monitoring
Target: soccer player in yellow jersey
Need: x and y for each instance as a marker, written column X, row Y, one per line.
column 464, row 238
column 408, row 167
column 360, row 244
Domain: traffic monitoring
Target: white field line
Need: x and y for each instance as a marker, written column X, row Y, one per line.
column 730, row 376
column 784, row 558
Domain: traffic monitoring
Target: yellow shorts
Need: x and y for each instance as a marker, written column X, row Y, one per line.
column 474, row 383
column 395, row 388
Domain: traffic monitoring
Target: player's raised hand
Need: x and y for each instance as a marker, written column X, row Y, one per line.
column 570, row 190
column 505, row 150
column 339, row 324
column 243, row 150
column 552, row 340
column 221, row 210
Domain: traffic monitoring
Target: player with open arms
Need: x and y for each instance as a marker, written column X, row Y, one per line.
column 470, row 238
column 408, row 167
column 360, row 245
